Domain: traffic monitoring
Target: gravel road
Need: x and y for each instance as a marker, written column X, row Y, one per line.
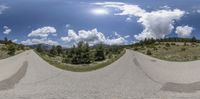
column 133, row 76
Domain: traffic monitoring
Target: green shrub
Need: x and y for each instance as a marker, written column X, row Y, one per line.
column 183, row 49
column 11, row 49
column 167, row 45
column 148, row 52
column 135, row 49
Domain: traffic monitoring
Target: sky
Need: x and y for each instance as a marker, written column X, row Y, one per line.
column 113, row 22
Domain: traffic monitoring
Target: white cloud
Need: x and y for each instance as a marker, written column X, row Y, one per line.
column 198, row 11
column 42, row 32
column 7, row 30
column 3, row 8
column 157, row 24
column 115, row 41
column 39, row 41
column 184, row 31
column 165, row 7
column 15, row 40
column 92, row 37
column 67, row 25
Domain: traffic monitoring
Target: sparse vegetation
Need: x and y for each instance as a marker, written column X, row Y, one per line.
column 9, row 48
column 171, row 49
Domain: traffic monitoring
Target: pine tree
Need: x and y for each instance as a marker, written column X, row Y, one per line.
column 99, row 56
column 53, row 51
column 39, row 48
column 194, row 39
column 11, row 49
column 59, row 49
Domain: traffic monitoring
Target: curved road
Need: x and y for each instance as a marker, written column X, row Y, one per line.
column 133, row 76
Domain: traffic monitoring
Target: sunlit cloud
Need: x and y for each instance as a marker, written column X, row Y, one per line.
column 100, row 11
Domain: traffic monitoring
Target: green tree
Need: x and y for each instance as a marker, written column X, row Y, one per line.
column 53, row 51
column 5, row 39
column 81, row 54
column 59, row 50
column 11, row 49
column 167, row 45
column 149, row 52
column 194, row 39
column 99, row 56
column 39, row 48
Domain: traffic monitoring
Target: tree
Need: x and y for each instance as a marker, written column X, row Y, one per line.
column 149, row 52
column 85, row 55
column 59, row 49
column 194, row 39
column 5, row 39
column 11, row 49
column 167, row 45
column 81, row 54
column 53, row 51
column 39, row 48
column 99, row 56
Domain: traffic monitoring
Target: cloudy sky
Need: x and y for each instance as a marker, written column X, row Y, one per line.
column 67, row 22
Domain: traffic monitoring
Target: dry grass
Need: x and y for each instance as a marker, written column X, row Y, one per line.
column 177, row 52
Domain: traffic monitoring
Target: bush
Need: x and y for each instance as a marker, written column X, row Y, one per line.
column 11, row 49
column 148, row 52
column 167, row 45
column 135, row 49
column 183, row 49
column 155, row 49
column 173, row 43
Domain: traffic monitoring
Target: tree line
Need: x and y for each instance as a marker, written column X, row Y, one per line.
column 170, row 39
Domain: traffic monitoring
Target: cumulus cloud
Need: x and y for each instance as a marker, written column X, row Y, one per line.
column 40, row 36
column 157, row 24
column 39, row 41
column 42, row 32
column 184, row 31
column 3, row 8
column 15, row 40
column 7, row 30
column 92, row 37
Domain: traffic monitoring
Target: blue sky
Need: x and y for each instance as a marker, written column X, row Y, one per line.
column 66, row 22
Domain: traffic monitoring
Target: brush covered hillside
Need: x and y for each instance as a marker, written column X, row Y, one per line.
column 9, row 48
column 170, row 49
column 81, row 57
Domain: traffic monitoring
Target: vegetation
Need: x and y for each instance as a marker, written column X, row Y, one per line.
column 81, row 57
column 9, row 48
column 171, row 49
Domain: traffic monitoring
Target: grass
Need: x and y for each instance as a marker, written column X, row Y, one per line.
column 79, row 68
column 178, row 52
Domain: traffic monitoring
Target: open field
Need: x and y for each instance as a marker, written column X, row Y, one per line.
column 172, row 51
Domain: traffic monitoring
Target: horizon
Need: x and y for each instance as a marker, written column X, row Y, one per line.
column 111, row 22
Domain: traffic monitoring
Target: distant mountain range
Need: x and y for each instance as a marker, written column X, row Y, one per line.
column 44, row 46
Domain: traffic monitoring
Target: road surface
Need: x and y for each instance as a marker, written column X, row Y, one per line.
column 133, row 76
